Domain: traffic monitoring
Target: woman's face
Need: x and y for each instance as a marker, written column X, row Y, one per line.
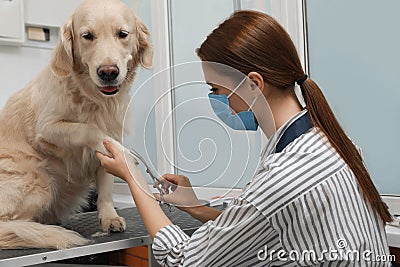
column 223, row 84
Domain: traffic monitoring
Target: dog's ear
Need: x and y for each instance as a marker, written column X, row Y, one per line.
column 145, row 50
column 62, row 60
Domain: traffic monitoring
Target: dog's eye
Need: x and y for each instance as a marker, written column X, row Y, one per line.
column 88, row 36
column 122, row 34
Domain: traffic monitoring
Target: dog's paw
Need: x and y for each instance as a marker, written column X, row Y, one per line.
column 113, row 224
column 100, row 148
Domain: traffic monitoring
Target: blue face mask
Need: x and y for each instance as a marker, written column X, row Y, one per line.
column 243, row 120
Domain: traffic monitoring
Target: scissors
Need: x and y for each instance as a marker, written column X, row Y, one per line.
column 156, row 180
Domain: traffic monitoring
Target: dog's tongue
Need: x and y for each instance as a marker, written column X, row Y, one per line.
column 109, row 89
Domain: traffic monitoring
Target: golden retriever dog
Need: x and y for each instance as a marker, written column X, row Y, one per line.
column 50, row 130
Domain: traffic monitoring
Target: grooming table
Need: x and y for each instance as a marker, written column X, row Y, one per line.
column 88, row 226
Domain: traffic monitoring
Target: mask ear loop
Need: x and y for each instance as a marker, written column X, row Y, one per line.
column 252, row 102
column 234, row 90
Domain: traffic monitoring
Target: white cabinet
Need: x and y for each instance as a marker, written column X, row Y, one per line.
column 15, row 15
column 50, row 13
column 11, row 22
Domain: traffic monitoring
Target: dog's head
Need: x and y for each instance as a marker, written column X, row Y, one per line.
column 102, row 44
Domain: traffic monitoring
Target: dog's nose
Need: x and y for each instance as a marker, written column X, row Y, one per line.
column 108, row 73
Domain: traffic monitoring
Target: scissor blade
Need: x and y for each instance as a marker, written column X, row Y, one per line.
column 159, row 187
column 148, row 169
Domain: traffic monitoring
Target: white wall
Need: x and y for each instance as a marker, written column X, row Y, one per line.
column 18, row 65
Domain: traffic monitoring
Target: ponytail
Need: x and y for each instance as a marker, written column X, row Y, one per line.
column 322, row 117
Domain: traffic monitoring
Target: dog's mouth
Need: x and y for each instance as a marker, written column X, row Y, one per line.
column 109, row 90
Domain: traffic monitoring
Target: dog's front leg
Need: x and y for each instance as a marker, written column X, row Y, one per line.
column 109, row 219
column 66, row 134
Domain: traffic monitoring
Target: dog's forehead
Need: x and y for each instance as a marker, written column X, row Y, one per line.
column 94, row 14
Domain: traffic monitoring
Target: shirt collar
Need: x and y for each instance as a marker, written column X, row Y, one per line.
column 293, row 128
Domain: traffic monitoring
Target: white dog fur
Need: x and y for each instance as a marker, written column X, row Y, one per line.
column 50, row 130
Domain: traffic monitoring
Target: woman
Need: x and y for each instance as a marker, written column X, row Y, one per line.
column 312, row 201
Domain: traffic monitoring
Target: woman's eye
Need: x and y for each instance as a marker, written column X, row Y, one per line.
column 214, row 90
column 88, row 36
column 122, row 34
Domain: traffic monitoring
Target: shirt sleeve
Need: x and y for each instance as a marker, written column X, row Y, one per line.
column 229, row 239
column 331, row 223
column 169, row 244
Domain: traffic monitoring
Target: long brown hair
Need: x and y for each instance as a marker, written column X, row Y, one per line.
column 253, row 41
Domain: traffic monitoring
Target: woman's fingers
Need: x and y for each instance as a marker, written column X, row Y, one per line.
column 177, row 179
column 165, row 181
column 99, row 155
column 104, row 160
column 110, row 147
column 173, row 178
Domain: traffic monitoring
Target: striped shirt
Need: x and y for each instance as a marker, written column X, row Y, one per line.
column 302, row 208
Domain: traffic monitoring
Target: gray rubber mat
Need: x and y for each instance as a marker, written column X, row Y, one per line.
column 88, row 226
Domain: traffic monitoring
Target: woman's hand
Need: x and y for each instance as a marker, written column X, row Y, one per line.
column 115, row 165
column 183, row 197
column 177, row 191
